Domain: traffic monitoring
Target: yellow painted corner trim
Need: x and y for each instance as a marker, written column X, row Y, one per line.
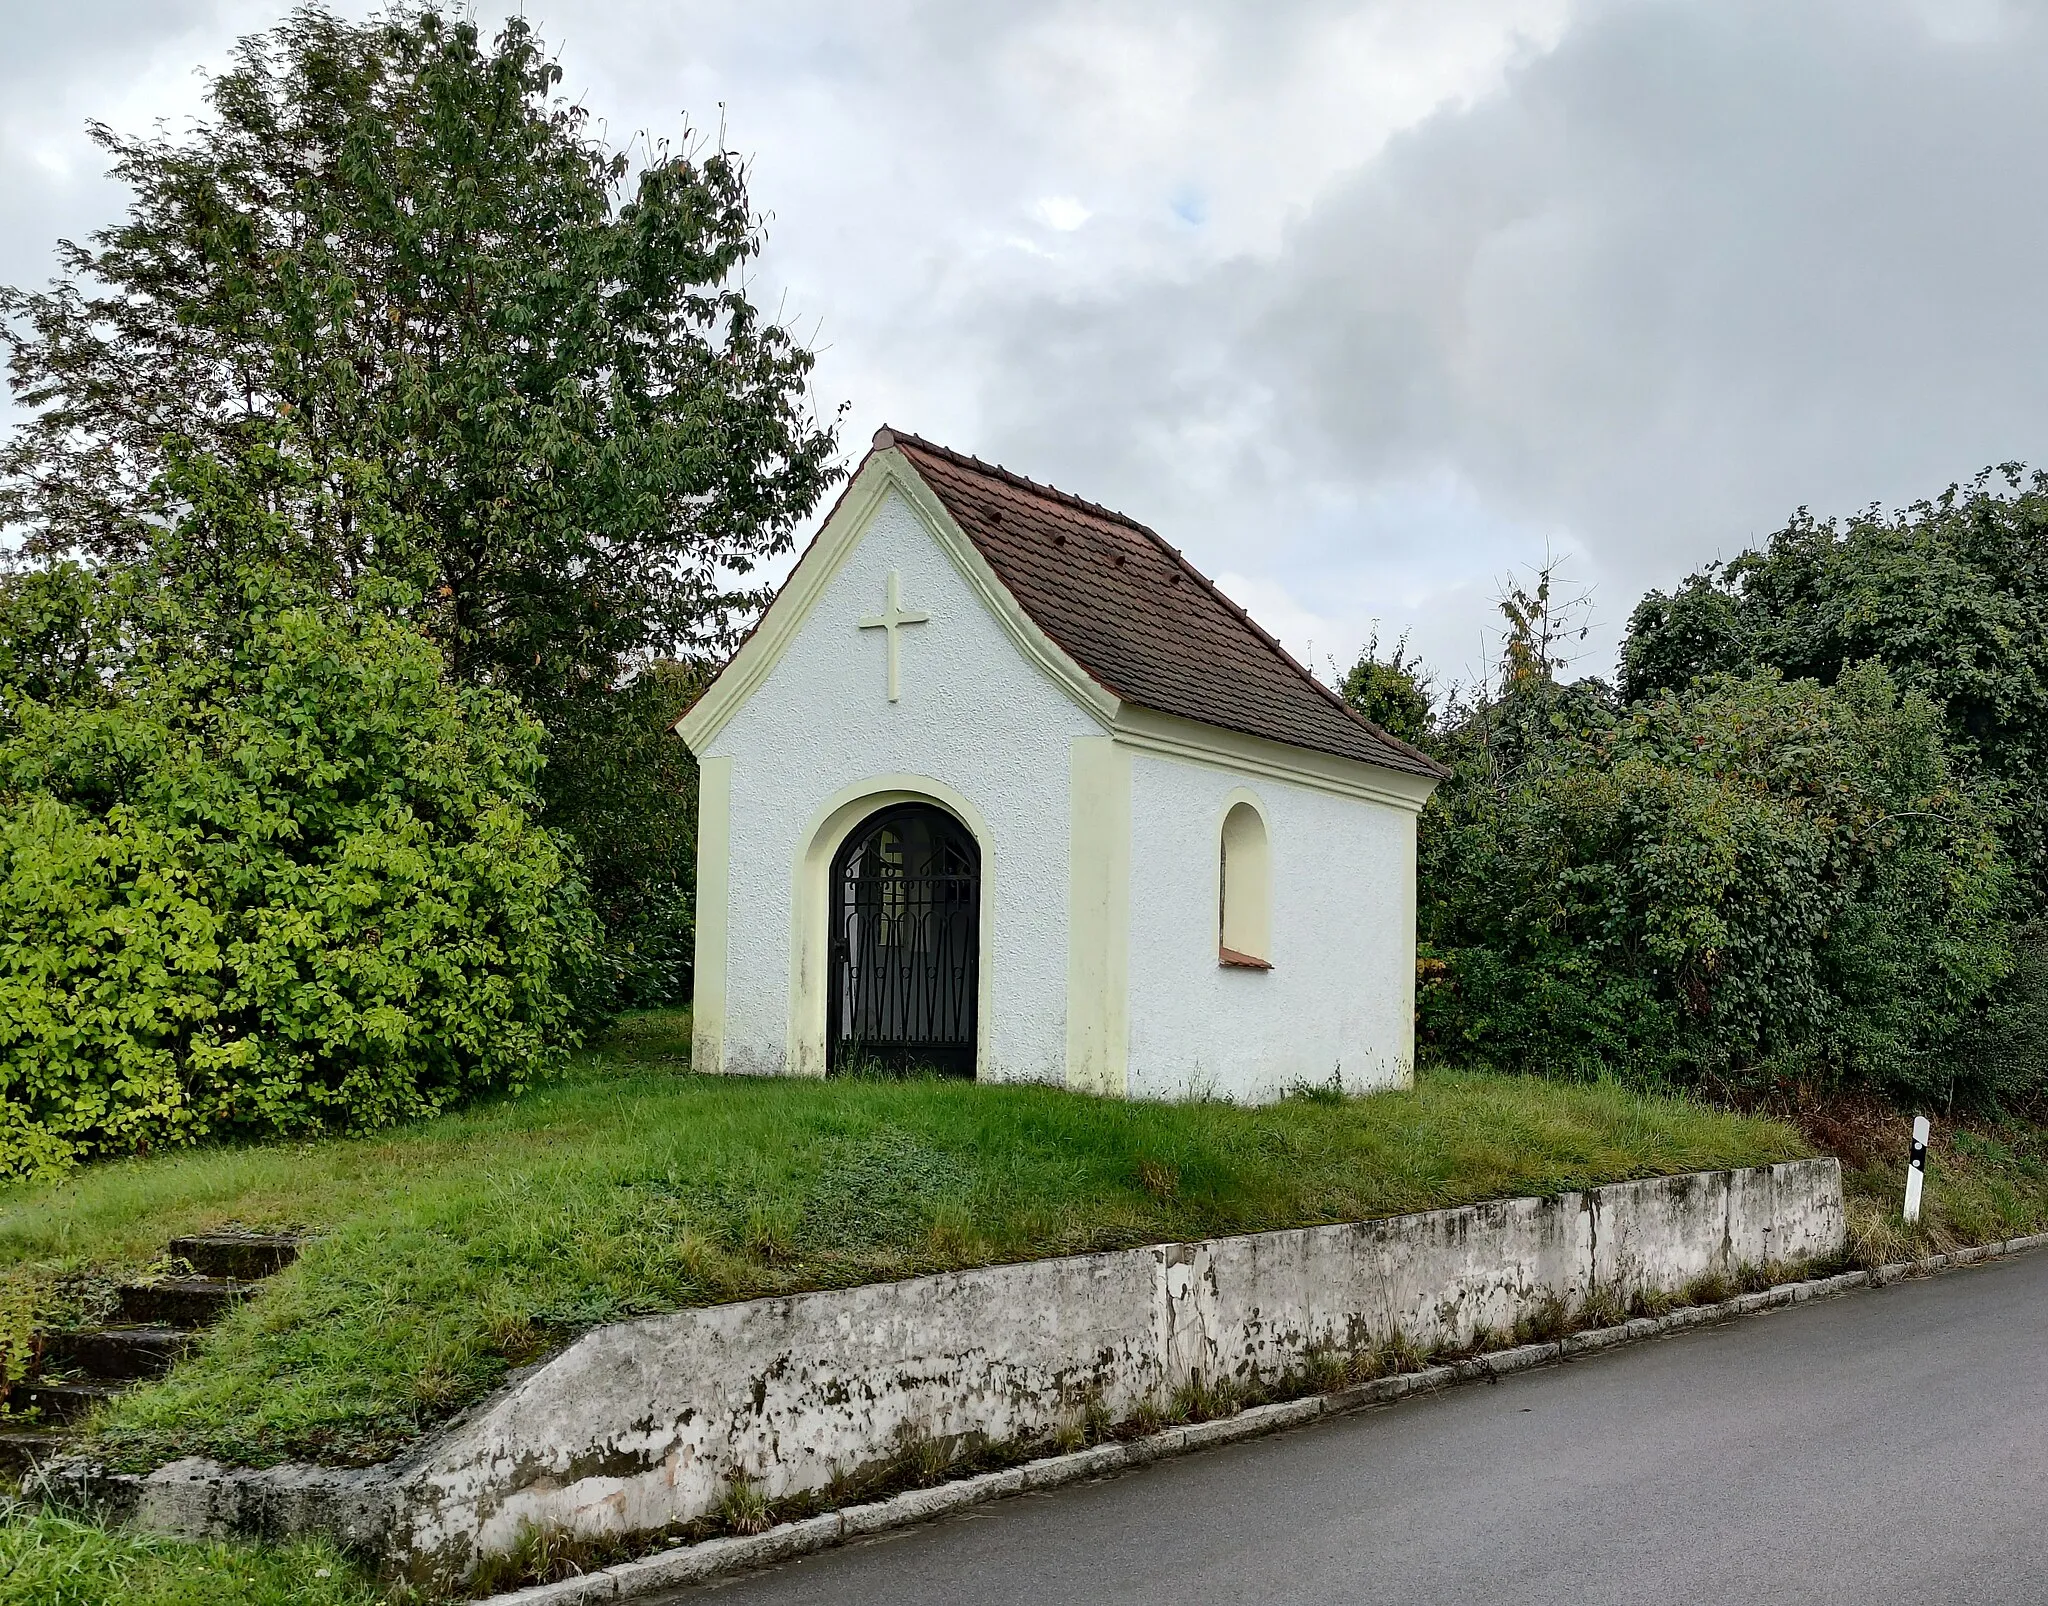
column 882, row 473
column 1098, row 916
column 810, row 947
column 714, row 893
column 1147, row 730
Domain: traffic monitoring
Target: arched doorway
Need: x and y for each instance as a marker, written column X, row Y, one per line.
column 905, row 938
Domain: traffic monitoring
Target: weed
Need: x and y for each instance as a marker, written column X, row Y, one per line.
column 1202, row 1399
column 1397, row 1353
column 541, row 1555
column 1709, row 1288
column 1546, row 1322
column 1603, row 1306
column 1651, row 1302
column 1160, row 1178
column 1327, row 1368
column 920, row 1459
column 743, row 1508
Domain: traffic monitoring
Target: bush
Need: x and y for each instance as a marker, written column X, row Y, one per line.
column 1951, row 595
column 625, row 786
column 1750, row 880
column 263, row 869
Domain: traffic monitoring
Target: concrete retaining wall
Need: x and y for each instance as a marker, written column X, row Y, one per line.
column 640, row 1425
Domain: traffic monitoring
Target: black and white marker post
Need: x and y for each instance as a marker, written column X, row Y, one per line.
column 1916, row 1168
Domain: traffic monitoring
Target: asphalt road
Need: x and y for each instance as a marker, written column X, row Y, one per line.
column 1879, row 1447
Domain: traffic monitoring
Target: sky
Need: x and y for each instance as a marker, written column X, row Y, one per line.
column 1364, row 306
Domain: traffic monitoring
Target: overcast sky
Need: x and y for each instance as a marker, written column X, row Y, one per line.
column 1361, row 305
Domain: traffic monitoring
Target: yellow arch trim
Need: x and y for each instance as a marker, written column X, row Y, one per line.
column 810, row 950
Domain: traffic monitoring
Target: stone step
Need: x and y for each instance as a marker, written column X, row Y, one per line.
column 116, row 1354
column 61, row 1402
column 245, row 1256
column 23, row 1449
column 183, row 1301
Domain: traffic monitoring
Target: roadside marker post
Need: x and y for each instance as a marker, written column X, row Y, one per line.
column 1916, row 1168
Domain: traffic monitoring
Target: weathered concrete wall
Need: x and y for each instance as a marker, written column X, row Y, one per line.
column 639, row 1425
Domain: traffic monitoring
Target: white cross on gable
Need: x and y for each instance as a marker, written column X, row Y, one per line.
column 891, row 619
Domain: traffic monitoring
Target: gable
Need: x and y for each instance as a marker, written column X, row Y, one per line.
column 1103, row 607
column 881, row 479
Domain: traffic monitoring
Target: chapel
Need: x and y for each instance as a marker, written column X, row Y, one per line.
column 1000, row 785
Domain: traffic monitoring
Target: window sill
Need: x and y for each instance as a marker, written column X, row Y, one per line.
column 1234, row 960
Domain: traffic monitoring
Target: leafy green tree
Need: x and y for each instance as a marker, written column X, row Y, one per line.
column 1393, row 692
column 634, row 789
column 1950, row 595
column 1750, row 880
column 514, row 368
column 398, row 239
column 263, row 867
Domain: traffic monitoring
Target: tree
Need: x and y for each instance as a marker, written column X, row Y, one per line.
column 1393, row 692
column 633, row 790
column 1751, row 880
column 395, row 240
column 1541, row 624
column 1950, row 595
column 519, row 371
column 263, row 867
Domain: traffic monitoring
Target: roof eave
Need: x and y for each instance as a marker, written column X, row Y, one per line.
column 1176, row 736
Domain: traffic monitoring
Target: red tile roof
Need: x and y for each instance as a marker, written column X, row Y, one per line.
column 1138, row 617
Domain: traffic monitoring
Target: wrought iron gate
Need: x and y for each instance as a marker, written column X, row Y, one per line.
column 906, row 930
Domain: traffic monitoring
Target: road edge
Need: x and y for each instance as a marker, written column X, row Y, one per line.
column 715, row 1558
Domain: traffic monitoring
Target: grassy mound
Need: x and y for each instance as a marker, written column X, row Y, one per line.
column 453, row 1250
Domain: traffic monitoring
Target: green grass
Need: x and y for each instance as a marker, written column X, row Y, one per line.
column 51, row 1561
column 452, row 1250
column 1987, row 1177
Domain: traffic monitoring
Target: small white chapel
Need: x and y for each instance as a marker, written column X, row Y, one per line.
column 1001, row 786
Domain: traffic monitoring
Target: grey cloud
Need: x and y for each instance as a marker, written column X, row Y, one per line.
column 1687, row 265
column 1694, row 267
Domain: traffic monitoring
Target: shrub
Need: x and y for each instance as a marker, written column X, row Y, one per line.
column 1745, row 881
column 263, row 869
column 1951, row 595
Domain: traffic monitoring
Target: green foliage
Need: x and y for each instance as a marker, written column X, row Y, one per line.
column 451, row 1250
column 1950, row 595
column 266, row 871
column 1748, row 880
column 1393, row 692
column 51, row 1560
column 507, row 365
column 630, row 785
column 397, row 240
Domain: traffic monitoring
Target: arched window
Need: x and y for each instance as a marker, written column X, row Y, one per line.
column 1244, row 913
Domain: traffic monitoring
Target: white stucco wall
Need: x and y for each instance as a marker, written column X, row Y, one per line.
column 974, row 714
column 1338, row 1001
